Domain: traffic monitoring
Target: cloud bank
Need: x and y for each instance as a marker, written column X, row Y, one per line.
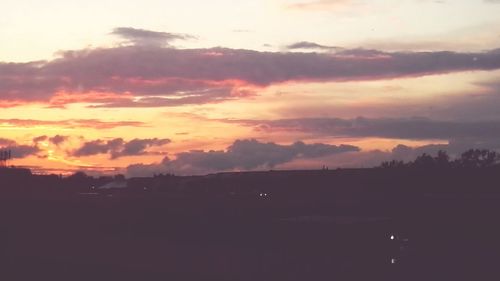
column 118, row 147
column 241, row 155
column 393, row 128
column 18, row 151
column 147, row 75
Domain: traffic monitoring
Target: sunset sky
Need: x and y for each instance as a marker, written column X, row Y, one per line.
column 196, row 86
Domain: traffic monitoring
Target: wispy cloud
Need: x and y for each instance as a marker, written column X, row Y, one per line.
column 69, row 123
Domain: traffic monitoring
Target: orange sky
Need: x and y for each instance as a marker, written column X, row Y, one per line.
column 143, row 99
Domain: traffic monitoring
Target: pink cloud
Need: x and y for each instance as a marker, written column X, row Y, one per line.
column 146, row 76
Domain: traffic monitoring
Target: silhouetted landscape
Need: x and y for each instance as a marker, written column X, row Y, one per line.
column 262, row 140
column 429, row 219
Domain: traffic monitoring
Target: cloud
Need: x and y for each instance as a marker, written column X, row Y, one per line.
column 146, row 76
column 395, row 128
column 17, row 150
column 492, row 1
column 98, row 147
column 255, row 155
column 6, row 142
column 143, row 37
column 22, row 151
column 454, row 148
column 58, row 139
column 241, row 155
column 40, row 139
column 312, row 45
column 118, row 147
column 139, row 146
column 400, row 152
column 69, row 123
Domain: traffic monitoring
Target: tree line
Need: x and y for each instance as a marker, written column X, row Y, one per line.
column 472, row 158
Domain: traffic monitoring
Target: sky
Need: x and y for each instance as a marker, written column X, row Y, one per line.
column 196, row 87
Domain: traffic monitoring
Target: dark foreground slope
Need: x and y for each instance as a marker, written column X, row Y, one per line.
column 362, row 224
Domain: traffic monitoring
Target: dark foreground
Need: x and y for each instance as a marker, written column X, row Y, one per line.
column 58, row 242
column 445, row 235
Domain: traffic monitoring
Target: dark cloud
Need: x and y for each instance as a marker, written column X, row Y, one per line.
column 244, row 155
column 17, row 150
column 98, row 147
column 39, row 139
column 118, row 147
column 58, row 139
column 70, row 123
column 137, row 75
column 400, row 128
column 401, row 152
column 22, row 151
column 138, row 147
column 312, row 45
column 454, row 148
column 288, row 157
column 147, row 37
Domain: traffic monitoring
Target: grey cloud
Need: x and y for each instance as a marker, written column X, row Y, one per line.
column 288, row 157
column 17, row 150
column 242, row 154
column 22, row 151
column 186, row 76
column 147, row 37
column 58, row 139
column 401, row 152
column 312, row 45
column 118, row 147
column 39, row 139
column 98, row 147
column 138, row 147
column 402, row 128
column 6, row 142
column 454, row 148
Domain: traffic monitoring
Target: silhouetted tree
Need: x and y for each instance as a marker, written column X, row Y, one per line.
column 393, row 164
column 442, row 160
column 473, row 158
column 424, row 161
column 477, row 158
column 119, row 177
column 78, row 176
